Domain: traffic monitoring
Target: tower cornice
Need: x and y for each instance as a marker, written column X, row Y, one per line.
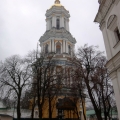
column 62, row 33
column 104, row 8
column 56, row 10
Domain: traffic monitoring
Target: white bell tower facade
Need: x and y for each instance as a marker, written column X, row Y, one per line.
column 57, row 38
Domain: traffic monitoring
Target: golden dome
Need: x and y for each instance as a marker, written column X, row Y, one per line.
column 57, row 4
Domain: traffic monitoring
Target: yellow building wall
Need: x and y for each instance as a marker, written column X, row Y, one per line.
column 67, row 113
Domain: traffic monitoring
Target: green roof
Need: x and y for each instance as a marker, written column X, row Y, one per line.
column 92, row 112
column 3, row 108
column 5, row 115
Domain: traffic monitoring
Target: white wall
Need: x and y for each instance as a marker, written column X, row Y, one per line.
column 112, row 51
column 13, row 113
column 108, row 35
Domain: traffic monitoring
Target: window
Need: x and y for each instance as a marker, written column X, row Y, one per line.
column 60, row 114
column 112, row 25
column 58, row 24
column 36, row 114
column 69, row 49
column 46, row 48
column 117, row 34
column 58, row 48
column 64, row 23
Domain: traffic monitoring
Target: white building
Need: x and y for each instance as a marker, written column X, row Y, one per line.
column 10, row 113
column 3, row 114
column 108, row 17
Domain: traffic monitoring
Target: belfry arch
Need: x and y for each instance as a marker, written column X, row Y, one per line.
column 58, row 48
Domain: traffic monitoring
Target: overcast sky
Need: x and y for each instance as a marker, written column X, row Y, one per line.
column 22, row 22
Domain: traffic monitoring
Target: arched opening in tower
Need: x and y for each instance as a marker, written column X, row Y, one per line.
column 69, row 49
column 46, row 48
column 58, row 24
column 58, row 48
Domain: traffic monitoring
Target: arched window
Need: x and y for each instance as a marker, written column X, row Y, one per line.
column 64, row 23
column 58, row 48
column 112, row 25
column 69, row 49
column 50, row 23
column 58, row 24
column 112, row 19
column 46, row 48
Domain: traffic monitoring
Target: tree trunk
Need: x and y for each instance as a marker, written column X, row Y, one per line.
column 50, row 111
column 97, row 111
column 33, row 106
column 76, row 111
column 18, row 108
column 39, row 104
column 83, row 104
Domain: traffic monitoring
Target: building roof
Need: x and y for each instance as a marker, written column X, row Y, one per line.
column 65, row 104
column 4, row 108
column 92, row 112
column 4, row 115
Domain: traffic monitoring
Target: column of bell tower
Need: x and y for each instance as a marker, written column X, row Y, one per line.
column 51, row 22
column 62, row 21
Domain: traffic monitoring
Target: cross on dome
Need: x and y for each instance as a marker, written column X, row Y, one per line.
column 57, row 2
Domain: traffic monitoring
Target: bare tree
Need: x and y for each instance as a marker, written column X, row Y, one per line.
column 91, row 69
column 54, row 82
column 29, row 95
column 44, row 77
column 25, row 99
column 15, row 77
column 79, row 88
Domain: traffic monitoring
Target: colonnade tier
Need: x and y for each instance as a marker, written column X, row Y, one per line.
column 57, row 17
column 52, row 22
column 51, row 46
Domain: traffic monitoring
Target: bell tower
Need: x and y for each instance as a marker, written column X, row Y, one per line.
column 57, row 40
column 57, row 37
column 56, row 19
